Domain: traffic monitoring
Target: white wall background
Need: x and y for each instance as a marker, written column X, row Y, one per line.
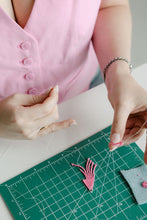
column 139, row 31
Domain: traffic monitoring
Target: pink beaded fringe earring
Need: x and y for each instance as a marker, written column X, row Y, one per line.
column 88, row 173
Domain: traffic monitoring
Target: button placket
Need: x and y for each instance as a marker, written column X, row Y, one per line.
column 27, row 61
column 26, row 45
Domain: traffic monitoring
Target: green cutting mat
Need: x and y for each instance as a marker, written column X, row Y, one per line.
column 53, row 189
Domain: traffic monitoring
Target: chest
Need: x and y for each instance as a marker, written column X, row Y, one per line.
column 7, row 6
column 18, row 10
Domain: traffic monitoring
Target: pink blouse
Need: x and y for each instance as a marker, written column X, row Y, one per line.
column 54, row 48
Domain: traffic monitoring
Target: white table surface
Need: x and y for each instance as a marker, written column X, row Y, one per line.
column 92, row 112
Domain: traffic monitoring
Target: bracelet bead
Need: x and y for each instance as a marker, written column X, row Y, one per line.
column 114, row 60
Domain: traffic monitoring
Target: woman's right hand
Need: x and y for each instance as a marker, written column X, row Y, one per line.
column 30, row 116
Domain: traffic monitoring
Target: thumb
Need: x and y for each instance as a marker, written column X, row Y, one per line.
column 121, row 114
column 145, row 154
column 28, row 100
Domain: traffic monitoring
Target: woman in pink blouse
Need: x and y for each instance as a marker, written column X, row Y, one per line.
column 48, row 43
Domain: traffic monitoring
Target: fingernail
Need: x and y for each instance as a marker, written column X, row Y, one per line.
column 113, row 149
column 74, row 123
column 115, row 138
column 56, row 88
column 47, row 91
column 114, row 146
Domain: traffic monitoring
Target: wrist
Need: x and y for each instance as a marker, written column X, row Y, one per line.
column 115, row 72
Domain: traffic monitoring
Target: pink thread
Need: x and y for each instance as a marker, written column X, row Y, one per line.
column 118, row 143
column 144, row 184
column 88, row 173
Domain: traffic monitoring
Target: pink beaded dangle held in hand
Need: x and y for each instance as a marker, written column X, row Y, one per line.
column 88, row 173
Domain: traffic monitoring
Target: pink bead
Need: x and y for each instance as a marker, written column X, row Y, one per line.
column 144, row 184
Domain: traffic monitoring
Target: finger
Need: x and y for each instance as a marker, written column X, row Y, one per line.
column 136, row 121
column 145, row 154
column 131, row 122
column 28, row 100
column 41, row 110
column 47, row 120
column 57, row 126
column 119, row 124
column 133, row 136
column 131, row 132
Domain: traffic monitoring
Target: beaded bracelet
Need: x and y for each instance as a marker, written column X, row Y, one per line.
column 112, row 61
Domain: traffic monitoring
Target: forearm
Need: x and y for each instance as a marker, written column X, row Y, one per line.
column 112, row 38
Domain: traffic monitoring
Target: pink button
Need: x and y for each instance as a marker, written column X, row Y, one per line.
column 25, row 45
column 27, row 61
column 29, row 76
column 32, row 91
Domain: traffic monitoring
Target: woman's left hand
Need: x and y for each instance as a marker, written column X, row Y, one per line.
column 129, row 101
